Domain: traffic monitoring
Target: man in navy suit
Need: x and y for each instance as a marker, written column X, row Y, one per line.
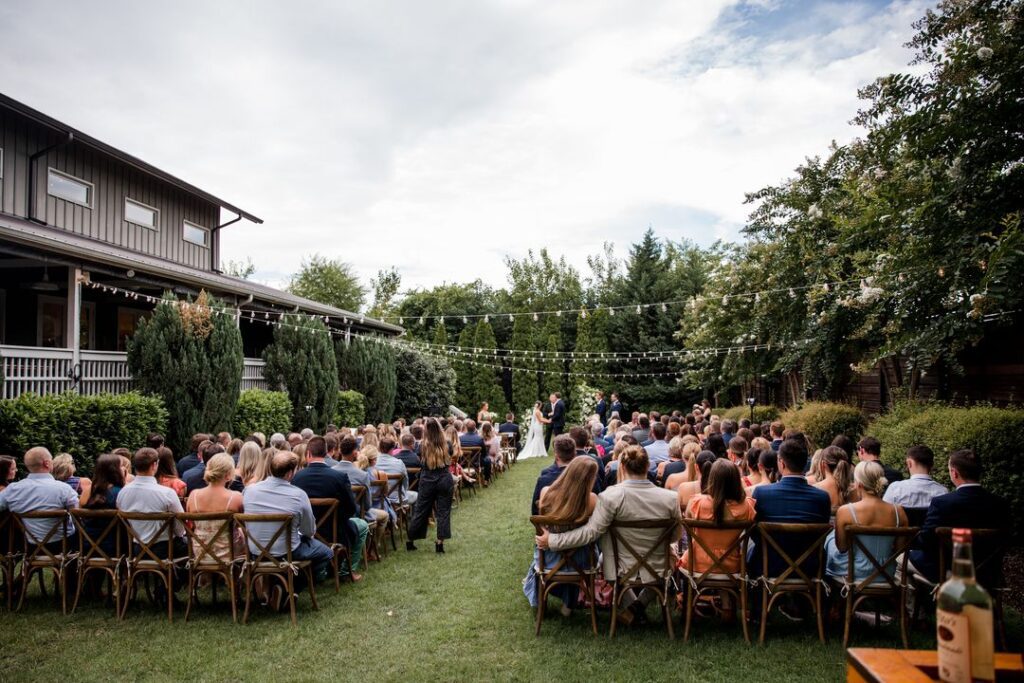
column 790, row 500
column 472, row 438
column 617, row 406
column 557, row 416
column 510, row 427
column 968, row 506
column 601, row 408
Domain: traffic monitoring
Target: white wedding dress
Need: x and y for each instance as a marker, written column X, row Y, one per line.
column 534, row 446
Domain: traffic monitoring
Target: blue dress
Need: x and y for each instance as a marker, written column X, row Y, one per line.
column 837, row 562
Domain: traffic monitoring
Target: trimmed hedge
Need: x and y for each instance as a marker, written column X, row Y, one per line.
column 993, row 433
column 762, row 414
column 351, row 409
column 84, row 426
column 822, row 422
column 263, row 411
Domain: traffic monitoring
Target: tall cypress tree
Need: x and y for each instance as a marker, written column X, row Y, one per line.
column 440, row 336
column 301, row 359
column 552, row 378
column 525, row 383
column 464, row 384
column 190, row 355
column 369, row 368
column 486, row 385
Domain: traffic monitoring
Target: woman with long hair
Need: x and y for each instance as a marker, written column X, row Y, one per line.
column 689, row 489
column 691, row 449
column 767, row 469
column 101, row 494
column 8, row 470
column 493, row 443
column 724, row 500
column 568, row 502
column 836, row 476
column 435, row 488
column 167, row 471
column 250, row 463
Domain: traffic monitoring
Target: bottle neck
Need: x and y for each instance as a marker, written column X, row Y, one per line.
column 963, row 562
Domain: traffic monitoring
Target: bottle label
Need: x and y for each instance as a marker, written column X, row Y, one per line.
column 965, row 645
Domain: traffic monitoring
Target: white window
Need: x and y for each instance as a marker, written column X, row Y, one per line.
column 196, row 234
column 141, row 214
column 70, row 188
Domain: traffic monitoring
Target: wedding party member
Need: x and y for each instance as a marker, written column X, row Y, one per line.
column 634, row 498
column 484, row 414
column 919, row 490
column 435, row 488
column 617, row 410
column 725, row 501
column 570, row 501
column 536, row 445
column 555, row 418
column 601, row 409
column 869, row 510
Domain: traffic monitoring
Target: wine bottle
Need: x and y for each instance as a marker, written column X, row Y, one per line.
column 964, row 620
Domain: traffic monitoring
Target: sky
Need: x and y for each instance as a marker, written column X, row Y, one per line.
column 438, row 137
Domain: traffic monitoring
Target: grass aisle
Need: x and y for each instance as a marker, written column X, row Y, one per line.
column 418, row 616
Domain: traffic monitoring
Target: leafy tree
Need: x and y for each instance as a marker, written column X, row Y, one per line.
column 427, row 382
column 465, row 370
column 591, row 337
column 301, row 360
column 486, row 386
column 240, row 269
column 190, row 355
column 385, row 288
column 329, row 281
column 368, row 367
column 454, row 301
column 440, row 336
column 553, row 377
column 525, row 383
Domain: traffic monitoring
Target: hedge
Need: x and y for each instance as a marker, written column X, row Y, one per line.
column 822, row 422
column 993, row 433
column 351, row 409
column 263, row 411
column 762, row 414
column 84, row 426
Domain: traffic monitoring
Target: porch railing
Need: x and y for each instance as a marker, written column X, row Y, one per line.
column 30, row 369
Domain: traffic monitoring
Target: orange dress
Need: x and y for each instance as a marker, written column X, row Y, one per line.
column 173, row 483
column 701, row 507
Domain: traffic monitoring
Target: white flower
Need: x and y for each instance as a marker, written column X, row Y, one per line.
column 879, row 173
column 813, row 211
column 985, row 53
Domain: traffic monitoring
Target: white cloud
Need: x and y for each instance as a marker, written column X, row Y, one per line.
column 437, row 137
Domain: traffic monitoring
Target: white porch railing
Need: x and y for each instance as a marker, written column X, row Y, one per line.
column 49, row 371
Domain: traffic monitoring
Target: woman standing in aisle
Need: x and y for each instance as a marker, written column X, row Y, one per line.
column 435, row 488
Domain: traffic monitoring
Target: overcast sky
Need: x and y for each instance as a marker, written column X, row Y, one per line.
column 439, row 136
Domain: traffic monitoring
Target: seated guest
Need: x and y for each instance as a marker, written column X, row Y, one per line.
column 472, row 439
column 250, row 463
column 234, row 448
column 224, row 439
column 126, row 463
column 167, row 472
column 565, row 451
column 847, row 444
column 657, row 449
column 725, row 501
column 320, row 481
column 8, row 470
column 728, row 431
column 690, row 451
column 870, row 449
column 919, row 490
column 687, row 490
column 969, row 506
column 633, row 498
column 571, row 501
column 358, row 477
column 492, row 442
column 276, row 495
column 869, row 510
column 192, row 459
column 836, row 477
column 332, row 440
column 101, row 494
column 597, row 434
column 144, row 494
column 64, row 470
column 37, row 492
column 581, row 439
column 295, row 438
column 408, row 455
column 767, row 469
column 389, row 464
column 194, row 477
column 154, row 440
column 417, row 433
column 716, row 445
column 790, row 500
column 278, row 442
column 737, row 451
column 217, row 497
column 675, row 462
column 776, row 429
column 510, row 427
column 642, row 431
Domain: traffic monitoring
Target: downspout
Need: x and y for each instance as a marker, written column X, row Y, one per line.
column 215, row 239
column 30, row 205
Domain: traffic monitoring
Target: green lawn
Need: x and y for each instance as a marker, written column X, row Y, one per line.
column 417, row 616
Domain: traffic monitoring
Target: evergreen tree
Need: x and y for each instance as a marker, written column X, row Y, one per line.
column 464, row 385
column 440, row 336
column 191, row 356
column 428, row 384
column 525, row 381
column 301, row 359
column 554, row 367
column 486, row 386
column 368, row 367
column 591, row 337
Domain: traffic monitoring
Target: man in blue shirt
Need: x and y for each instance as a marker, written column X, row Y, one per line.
column 657, row 449
column 40, row 491
column 728, row 430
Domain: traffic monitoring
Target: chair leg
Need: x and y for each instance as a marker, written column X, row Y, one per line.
column 593, row 603
column 764, row 614
column 666, row 608
column 191, row 593
column 615, row 610
column 169, row 582
column 290, row 586
column 542, row 601
column 129, row 583
column 248, row 597
column 847, row 619
column 743, row 613
column 689, row 612
column 819, row 609
column 902, row 607
column 312, row 588
column 232, row 596
column 78, row 588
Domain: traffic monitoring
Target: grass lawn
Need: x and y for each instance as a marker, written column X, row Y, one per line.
column 417, row 616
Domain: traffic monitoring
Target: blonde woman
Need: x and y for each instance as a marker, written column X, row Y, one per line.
column 690, row 451
column 216, row 497
column 370, row 437
column 435, row 488
column 64, row 470
column 250, row 463
column 836, row 476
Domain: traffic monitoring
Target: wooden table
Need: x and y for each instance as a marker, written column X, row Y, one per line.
column 876, row 665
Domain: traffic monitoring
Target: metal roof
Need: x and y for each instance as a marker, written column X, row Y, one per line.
column 124, row 157
column 86, row 250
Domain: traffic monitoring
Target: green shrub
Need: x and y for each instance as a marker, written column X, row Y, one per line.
column 993, row 433
column 428, row 384
column 263, row 411
column 301, row 360
column 84, row 426
column 762, row 414
column 822, row 422
column 351, row 409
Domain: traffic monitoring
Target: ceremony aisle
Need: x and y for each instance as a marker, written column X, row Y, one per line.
column 416, row 616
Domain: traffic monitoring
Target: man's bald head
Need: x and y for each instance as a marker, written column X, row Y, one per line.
column 38, row 459
column 283, row 464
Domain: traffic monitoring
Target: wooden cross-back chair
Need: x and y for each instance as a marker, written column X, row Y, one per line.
column 795, row 578
column 472, row 459
column 989, row 547
column 363, row 505
column 567, row 571
column 631, row 578
column 508, row 447
column 715, row 579
column 888, row 578
column 402, row 507
column 204, row 558
column 414, row 478
column 38, row 555
column 144, row 561
column 94, row 557
column 378, row 495
column 262, row 562
column 11, row 553
column 328, row 532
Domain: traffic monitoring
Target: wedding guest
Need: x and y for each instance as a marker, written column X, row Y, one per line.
column 145, row 494
column 919, row 490
column 565, row 451
column 359, row 477
column 473, row 439
column 767, row 469
column 657, row 448
column 101, row 494
column 64, row 470
column 408, row 455
column 836, row 477
column 194, row 477
column 167, row 472
column 217, row 497
column 847, row 444
column 233, row 448
column 192, row 459
column 736, row 451
column 224, row 439
column 40, row 491
column 250, row 463
column 869, row 448
column 435, row 489
column 687, row 490
column 8, row 470
column 725, row 500
column 492, row 443
column 777, row 429
column 389, row 464
column 691, row 449
column 675, row 462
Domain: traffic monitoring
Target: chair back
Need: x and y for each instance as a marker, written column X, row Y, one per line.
column 414, row 478
column 362, row 499
column 259, row 552
column 567, row 564
column 326, row 512
column 471, row 457
column 507, row 440
column 988, row 547
column 90, row 545
column 202, row 548
column 37, row 550
column 695, row 529
column 883, row 577
column 778, row 536
column 164, row 534
column 394, row 486
column 642, row 558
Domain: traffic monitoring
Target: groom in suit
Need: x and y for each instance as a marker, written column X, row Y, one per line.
column 556, row 414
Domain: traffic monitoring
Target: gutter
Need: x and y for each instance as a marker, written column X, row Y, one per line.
column 30, row 205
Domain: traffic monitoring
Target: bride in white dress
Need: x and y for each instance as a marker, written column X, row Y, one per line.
column 534, row 446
